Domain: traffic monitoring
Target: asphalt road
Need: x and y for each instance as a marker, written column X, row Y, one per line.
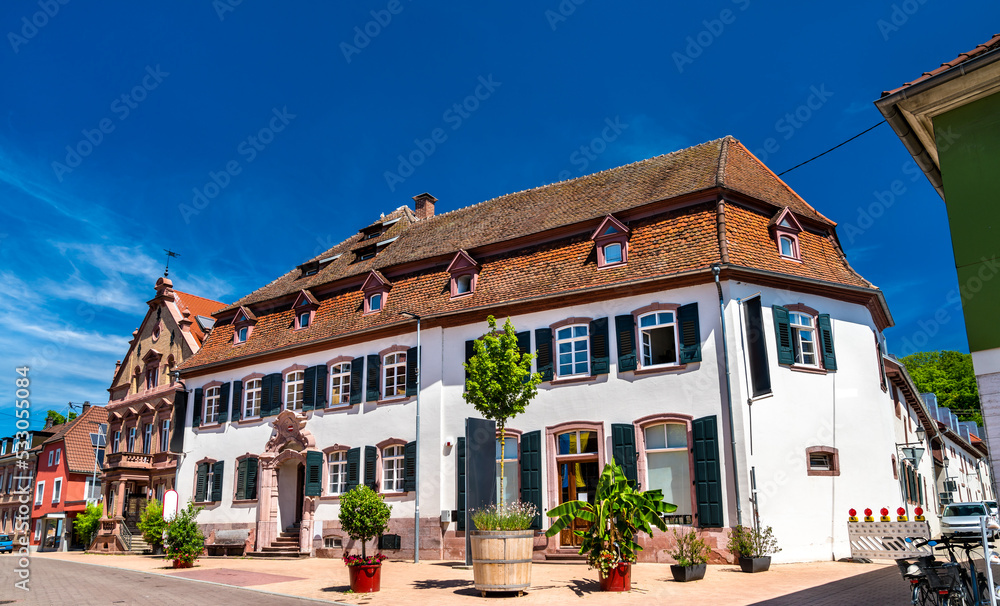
column 59, row 583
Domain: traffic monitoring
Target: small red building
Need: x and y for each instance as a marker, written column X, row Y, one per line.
column 65, row 480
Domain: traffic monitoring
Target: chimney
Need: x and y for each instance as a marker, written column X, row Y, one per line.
column 48, row 424
column 424, row 205
column 86, row 407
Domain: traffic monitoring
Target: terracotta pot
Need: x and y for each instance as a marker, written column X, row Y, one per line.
column 618, row 578
column 181, row 564
column 366, row 578
column 755, row 564
column 683, row 574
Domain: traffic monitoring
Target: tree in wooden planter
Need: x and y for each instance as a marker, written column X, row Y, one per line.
column 184, row 542
column 691, row 554
column 364, row 516
column 500, row 386
column 753, row 547
column 617, row 515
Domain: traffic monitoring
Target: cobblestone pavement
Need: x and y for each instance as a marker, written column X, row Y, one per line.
column 61, row 583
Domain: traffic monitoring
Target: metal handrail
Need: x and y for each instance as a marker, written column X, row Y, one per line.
column 126, row 535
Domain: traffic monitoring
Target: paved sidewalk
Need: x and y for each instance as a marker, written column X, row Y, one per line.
column 439, row 583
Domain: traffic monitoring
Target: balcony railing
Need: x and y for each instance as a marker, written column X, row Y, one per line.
column 132, row 460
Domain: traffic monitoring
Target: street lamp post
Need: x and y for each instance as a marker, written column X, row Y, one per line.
column 913, row 455
column 416, row 457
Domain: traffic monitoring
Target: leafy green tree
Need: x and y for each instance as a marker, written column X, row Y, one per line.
column 501, row 384
column 57, row 419
column 949, row 375
column 151, row 524
column 185, row 542
column 363, row 515
column 85, row 524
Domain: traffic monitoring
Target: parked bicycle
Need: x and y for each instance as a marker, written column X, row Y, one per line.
column 937, row 583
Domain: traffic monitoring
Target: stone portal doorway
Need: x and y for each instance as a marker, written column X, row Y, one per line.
column 291, row 489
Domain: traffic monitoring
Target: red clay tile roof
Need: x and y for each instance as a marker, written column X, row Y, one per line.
column 721, row 163
column 666, row 244
column 992, row 44
column 198, row 306
column 76, row 436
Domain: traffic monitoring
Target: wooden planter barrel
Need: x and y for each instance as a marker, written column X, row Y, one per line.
column 501, row 559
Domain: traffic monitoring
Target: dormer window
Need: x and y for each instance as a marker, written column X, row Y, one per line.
column 611, row 241
column 786, row 229
column 464, row 274
column 242, row 334
column 305, row 306
column 376, row 291
column 243, row 325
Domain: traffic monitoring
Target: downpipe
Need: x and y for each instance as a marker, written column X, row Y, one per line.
column 716, row 270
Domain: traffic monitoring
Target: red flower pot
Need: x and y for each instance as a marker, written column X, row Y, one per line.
column 365, row 579
column 182, row 564
column 618, row 578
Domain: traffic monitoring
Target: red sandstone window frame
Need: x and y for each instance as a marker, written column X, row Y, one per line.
column 462, row 265
column 208, row 486
column 552, row 460
column 380, row 466
column 611, row 231
column 789, row 233
column 375, row 285
column 833, row 456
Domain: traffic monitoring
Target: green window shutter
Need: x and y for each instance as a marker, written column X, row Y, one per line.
column 322, row 385
column 460, row 468
column 196, row 415
column 251, row 486
column 410, row 467
column 265, row 396
column 531, row 472
column 201, row 483
column 353, row 466
column 309, row 389
column 783, row 335
column 524, row 347
column 623, row 449
column 543, row 343
column 470, row 350
column 314, row 473
column 374, row 378
column 241, row 480
column 371, row 466
column 411, row 371
column 625, row 335
column 357, row 378
column 707, row 477
column 826, row 341
column 600, row 351
column 275, row 397
column 223, row 403
column 690, row 337
column 237, row 410
column 217, row 471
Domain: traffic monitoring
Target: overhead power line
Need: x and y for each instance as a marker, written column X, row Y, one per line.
column 831, row 149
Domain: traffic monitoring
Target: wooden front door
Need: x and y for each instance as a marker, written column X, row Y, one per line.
column 134, row 504
column 577, row 481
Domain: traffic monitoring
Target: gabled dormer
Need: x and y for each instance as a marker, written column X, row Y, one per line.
column 464, row 273
column 305, row 307
column 611, row 240
column 243, row 325
column 785, row 229
column 376, row 291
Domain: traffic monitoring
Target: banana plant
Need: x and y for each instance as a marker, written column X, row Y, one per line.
column 619, row 512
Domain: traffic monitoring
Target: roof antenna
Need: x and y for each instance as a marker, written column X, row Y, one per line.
column 166, row 269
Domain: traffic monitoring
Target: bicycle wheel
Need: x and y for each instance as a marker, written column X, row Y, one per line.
column 920, row 594
column 957, row 597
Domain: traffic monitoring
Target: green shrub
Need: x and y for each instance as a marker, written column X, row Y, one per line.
column 691, row 550
column 151, row 524
column 185, row 542
column 752, row 542
column 85, row 524
column 363, row 515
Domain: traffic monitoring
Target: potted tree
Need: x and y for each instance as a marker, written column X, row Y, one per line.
column 500, row 387
column 151, row 525
column 691, row 554
column 619, row 513
column 184, row 541
column 364, row 516
column 753, row 547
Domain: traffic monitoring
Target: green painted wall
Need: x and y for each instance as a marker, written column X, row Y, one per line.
column 968, row 142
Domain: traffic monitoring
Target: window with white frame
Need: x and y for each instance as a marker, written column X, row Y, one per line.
column 573, row 347
column 803, row 338
column 392, row 469
column 788, row 247
column 152, row 377
column 658, row 332
column 212, row 399
column 39, row 492
column 337, row 463
column 38, row 528
column 820, row 461
column 251, row 399
column 511, row 489
column 304, row 317
column 668, row 465
column 394, row 375
column 58, row 455
column 612, row 253
column 10, row 480
column 294, row 390
column 340, row 384
column 56, row 490
column 131, row 440
column 165, row 435
column 375, row 302
column 241, row 334
column 117, row 442
column 147, row 439
column 52, row 454
column 463, row 284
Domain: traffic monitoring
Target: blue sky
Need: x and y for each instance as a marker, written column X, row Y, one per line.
column 250, row 137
